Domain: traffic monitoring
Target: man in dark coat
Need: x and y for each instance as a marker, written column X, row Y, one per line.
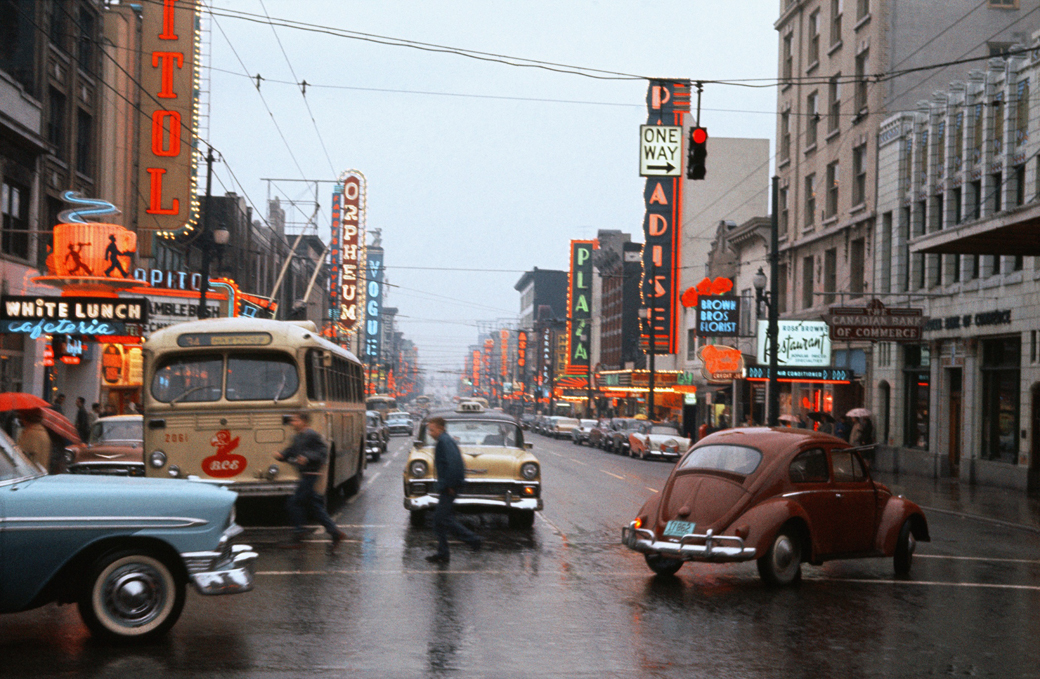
column 308, row 453
column 451, row 476
column 82, row 419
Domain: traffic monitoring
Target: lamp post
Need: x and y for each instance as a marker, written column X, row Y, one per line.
column 644, row 313
column 770, row 299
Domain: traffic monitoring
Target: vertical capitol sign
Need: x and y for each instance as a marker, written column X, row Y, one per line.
column 169, row 158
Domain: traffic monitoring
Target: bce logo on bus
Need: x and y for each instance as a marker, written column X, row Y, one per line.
column 223, row 464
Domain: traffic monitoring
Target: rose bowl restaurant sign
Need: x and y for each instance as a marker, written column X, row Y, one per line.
column 38, row 316
column 875, row 323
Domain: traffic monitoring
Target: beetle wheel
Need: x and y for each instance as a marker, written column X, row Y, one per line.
column 782, row 563
column 131, row 596
column 663, row 565
column 905, row 545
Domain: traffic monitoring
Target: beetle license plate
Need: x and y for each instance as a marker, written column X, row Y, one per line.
column 678, row 529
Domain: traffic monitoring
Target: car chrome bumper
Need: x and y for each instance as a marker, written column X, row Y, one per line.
column 107, row 468
column 430, row 501
column 230, row 569
column 716, row 548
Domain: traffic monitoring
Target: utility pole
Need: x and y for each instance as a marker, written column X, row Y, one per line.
column 773, row 407
column 206, row 239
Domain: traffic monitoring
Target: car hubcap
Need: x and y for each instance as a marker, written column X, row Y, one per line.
column 783, row 554
column 134, row 594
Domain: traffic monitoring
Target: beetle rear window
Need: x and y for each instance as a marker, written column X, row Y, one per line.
column 726, row 458
column 809, row 467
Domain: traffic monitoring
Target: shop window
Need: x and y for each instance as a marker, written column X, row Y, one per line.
column 1001, row 384
column 916, row 377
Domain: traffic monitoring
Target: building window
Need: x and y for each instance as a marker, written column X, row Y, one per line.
column 955, row 196
column 994, row 268
column 781, row 303
column 976, row 200
column 1017, row 262
column 783, row 213
column 834, row 104
column 938, row 205
column 918, row 265
column 974, row 264
column 56, row 14
column 996, row 191
column 691, row 346
column 1022, row 113
column 940, row 149
column 955, row 268
column 836, row 21
column 832, row 189
column 814, row 37
column 922, row 158
column 1000, row 398
column 56, row 121
column 916, row 376
column 807, row 282
column 859, row 174
column 84, row 137
column 85, row 41
column 998, row 123
column 810, row 200
column 958, row 141
column 976, row 136
column 14, row 206
column 785, row 135
column 885, row 265
column 830, row 274
column 862, row 8
column 857, row 265
column 861, row 82
column 788, row 58
column 908, row 167
column 1034, row 356
column 1019, row 177
column 812, row 121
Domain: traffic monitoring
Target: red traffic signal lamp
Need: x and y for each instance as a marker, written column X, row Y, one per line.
column 697, row 153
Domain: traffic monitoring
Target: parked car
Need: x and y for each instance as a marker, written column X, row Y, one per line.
column 617, row 439
column 123, row 550
column 657, row 440
column 599, row 433
column 376, row 435
column 115, row 446
column 780, row 496
column 580, row 434
column 399, row 423
column 563, row 426
column 526, row 420
column 502, row 475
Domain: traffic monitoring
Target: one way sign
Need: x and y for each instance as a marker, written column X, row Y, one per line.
column 660, row 151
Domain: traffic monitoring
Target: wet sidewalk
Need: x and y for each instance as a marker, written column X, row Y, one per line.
column 999, row 505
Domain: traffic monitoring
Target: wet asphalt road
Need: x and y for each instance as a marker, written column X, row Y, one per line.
column 565, row 599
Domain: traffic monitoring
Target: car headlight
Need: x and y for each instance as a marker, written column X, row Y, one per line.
column 529, row 470
column 272, row 471
column 174, row 471
column 70, row 456
column 157, row 459
column 418, row 468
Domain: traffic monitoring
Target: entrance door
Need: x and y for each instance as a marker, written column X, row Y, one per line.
column 954, row 408
column 1034, row 453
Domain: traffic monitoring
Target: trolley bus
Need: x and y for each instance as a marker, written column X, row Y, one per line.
column 382, row 404
column 218, row 394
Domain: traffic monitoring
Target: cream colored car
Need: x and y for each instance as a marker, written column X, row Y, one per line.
column 502, row 475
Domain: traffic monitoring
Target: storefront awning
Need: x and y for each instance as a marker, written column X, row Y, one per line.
column 1014, row 233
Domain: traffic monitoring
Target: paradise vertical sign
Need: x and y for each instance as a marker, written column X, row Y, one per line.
column 667, row 101
column 579, row 307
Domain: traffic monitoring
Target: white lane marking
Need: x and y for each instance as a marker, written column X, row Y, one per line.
column 929, row 583
column 652, row 490
column 373, row 478
column 974, row 558
column 552, row 525
column 387, row 463
column 583, row 464
column 612, row 474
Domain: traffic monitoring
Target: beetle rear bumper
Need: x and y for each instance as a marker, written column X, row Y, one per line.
column 715, row 548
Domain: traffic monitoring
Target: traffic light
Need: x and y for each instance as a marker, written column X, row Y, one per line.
column 697, row 153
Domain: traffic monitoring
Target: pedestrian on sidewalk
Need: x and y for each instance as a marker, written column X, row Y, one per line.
column 451, row 476
column 82, row 419
column 307, row 452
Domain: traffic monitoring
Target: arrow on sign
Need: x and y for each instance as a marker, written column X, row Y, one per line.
column 667, row 168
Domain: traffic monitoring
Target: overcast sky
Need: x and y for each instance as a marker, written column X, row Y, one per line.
column 473, row 164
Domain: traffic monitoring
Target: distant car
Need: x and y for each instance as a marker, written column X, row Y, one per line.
column 780, row 496
column 580, row 434
column 376, row 435
column 526, row 420
column 502, row 475
column 399, row 423
column 598, row 433
column 657, row 440
column 563, row 426
column 123, row 549
column 616, row 441
column 115, row 446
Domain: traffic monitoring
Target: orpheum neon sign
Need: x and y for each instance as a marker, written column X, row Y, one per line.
column 348, row 228
column 169, row 107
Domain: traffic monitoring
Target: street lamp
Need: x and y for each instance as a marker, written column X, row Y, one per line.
column 644, row 313
column 769, row 300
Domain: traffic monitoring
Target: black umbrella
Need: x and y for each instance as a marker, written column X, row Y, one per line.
column 819, row 416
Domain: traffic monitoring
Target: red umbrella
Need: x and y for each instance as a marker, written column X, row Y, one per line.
column 59, row 424
column 13, row 400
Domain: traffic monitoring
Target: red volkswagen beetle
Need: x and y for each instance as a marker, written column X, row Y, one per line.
column 780, row 496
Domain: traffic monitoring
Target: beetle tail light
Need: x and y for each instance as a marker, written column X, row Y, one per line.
column 638, row 523
column 742, row 531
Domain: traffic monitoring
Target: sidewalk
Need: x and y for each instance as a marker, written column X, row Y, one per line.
column 950, row 495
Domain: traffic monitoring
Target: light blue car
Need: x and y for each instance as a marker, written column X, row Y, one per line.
column 122, row 549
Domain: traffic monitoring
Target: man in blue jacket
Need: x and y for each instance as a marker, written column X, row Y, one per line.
column 451, row 476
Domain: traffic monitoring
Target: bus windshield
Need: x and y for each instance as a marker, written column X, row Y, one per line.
column 264, row 376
